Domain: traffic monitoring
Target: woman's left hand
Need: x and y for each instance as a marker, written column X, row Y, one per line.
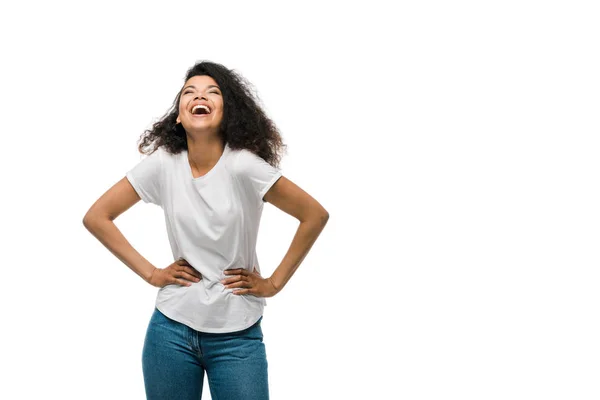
column 251, row 282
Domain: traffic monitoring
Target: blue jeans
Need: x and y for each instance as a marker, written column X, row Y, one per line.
column 175, row 357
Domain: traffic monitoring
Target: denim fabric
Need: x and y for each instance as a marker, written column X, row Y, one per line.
column 175, row 357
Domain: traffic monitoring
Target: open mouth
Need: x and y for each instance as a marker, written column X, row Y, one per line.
column 200, row 110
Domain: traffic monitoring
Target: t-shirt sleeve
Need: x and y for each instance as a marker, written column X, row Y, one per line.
column 145, row 177
column 257, row 175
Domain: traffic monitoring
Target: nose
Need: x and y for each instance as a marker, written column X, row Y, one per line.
column 201, row 97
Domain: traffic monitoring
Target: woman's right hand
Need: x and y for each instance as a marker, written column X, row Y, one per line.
column 180, row 272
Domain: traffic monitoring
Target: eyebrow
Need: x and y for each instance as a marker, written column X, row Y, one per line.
column 192, row 86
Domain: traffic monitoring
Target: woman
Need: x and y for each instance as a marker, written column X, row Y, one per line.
column 213, row 165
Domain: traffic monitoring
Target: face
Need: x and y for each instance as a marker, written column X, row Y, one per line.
column 200, row 90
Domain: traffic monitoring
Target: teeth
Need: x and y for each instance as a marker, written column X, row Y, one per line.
column 201, row 105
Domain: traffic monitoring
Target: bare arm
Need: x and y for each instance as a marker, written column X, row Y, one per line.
column 291, row 199
column 99, row 221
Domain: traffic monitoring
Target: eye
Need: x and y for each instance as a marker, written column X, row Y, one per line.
column 189, row 91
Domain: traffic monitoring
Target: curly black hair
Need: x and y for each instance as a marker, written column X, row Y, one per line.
column 244, row 125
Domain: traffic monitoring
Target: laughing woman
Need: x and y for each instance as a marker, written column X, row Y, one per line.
column 211, row 163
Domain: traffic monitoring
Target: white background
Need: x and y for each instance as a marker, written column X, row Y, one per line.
column 454, row 144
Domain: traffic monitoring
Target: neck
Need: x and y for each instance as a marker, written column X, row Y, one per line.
column 206, row 152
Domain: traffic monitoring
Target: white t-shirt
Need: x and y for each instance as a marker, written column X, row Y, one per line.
column 212, row 221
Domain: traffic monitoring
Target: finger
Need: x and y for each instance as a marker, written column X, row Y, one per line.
column 241, row 291
column 184, row 271
column 192, row 277
column 241, row 271
column 188, row 276
column 194, row 272
column 179, row 273
column 240, row 284
column 182, row 282
column 233, row 279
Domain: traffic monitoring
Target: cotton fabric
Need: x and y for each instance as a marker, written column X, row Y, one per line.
column 212, row 221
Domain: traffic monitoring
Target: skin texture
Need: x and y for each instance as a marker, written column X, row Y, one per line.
column 291, row 199
column 205, row 147
column 203, row 89
column 180, row 272
column 252, row 281
column 244, row 123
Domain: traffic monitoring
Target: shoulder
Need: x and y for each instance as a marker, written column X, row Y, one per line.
column 164, row 156
column 161, row 152
column 157, row 154
column 242, row 159
column 243, row 154
column 158, row 160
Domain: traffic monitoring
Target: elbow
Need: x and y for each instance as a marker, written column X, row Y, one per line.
column 316, row 218
column 87, row 221
column 324, row 217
